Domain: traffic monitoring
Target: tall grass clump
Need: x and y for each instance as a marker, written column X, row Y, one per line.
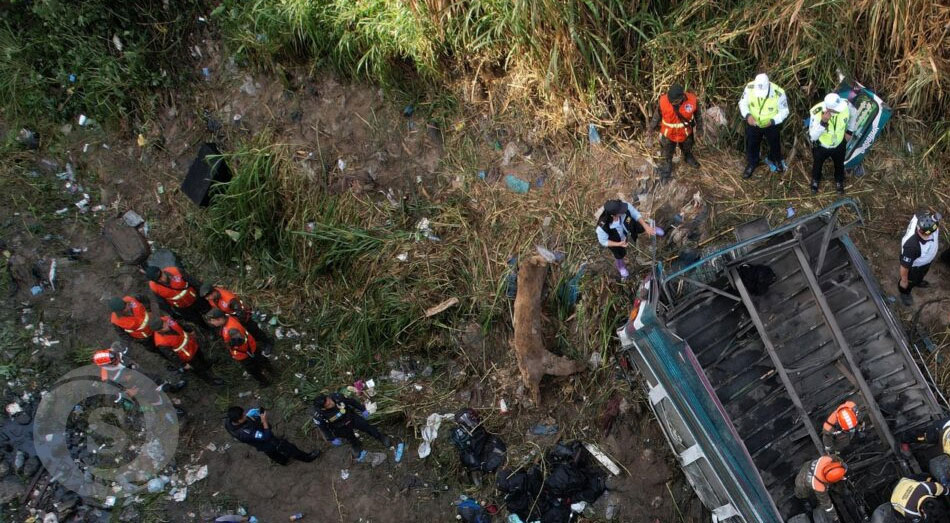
column 102, row 58
column 615, row 56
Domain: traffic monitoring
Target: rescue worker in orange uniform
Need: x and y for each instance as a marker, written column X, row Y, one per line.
column 242, row 346
column 840, row 427
column 677, row 117
column 230, row 304
column 178, row 291
column 113, row 366
column 180, row 345
column 815, row 478
column 130, row 318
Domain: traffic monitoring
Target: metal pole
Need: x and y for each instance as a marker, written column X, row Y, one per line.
column 770, row 348
column 879, row 423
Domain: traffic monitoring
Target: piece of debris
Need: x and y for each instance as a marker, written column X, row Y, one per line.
column 344, row 474
column 422, row 226
column 602, row 458
column 193, row 474
column 14, row 409
column 432, row 311
column 179, row 494
column 516, row 184
column 543, row 429
column 592, row 135
column 430, row 432
column 27, row 138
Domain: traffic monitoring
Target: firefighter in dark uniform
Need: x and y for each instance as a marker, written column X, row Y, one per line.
column 618, row 225
column 918, row 250
column 916, row 501
column 338, row 417
column 677, row 117
column 252, row 427
column 814, row 480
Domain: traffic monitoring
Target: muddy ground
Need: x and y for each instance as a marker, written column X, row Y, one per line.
column 384, row 155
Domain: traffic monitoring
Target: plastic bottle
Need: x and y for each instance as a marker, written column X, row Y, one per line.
column 592, row 135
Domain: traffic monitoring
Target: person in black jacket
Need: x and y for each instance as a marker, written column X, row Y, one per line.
column 251, row 427
column 338, row 416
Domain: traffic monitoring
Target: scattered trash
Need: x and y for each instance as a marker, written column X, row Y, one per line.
column 789, row 212
column 432, row 311
column 36, row 290
column 376, row 458
column 109, row 501
column 542, row 429
column 28, row 139
column 430, row 432
column 155, row 485
column 571, row 290
column 503, row 406
column 193, row 474
column 579, row 506
column 362, row 456
column 296, row 517
column 602, row 458
column 117, row 43
column 132, row 219
column 408, row 110
column 511, row 280
column 592, row 135
column 84, row 203
column 595, row 360
column 510, row 151
column 71, row 78
column 403, row 256
column 206, row 73
column 249, row 87
column 140, row 140
column 425, row 232
column 481, row 174
column 179, row 494
column 340, row 164
column 344, row 474
column 400, row 448
column 51, row 277
column 14, row 409
column 83, row 120
column 516, row 184
column 549, row 256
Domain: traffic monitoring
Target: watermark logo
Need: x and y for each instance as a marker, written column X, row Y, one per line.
column 104, row 439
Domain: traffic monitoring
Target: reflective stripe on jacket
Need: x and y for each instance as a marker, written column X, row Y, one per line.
column 677, row 128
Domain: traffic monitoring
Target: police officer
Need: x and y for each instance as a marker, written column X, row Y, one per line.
column 827, row 128
column 815, row 478
column 253, row 428
column 618, row 225
column 916, row 501
column 918, row 250
column 764, row 107
column 935, row 434
column 338, row 416
column 677, row 117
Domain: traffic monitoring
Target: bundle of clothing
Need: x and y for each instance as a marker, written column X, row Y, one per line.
column 479, row 450
column 572, row 476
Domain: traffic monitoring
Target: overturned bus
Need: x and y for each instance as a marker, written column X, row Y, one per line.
column 741, row 374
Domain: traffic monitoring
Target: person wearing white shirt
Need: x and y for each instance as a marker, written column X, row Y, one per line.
column 618, row 225
column 764, row 107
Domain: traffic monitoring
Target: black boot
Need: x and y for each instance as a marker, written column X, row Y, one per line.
column 747, row 173
column 691, row 160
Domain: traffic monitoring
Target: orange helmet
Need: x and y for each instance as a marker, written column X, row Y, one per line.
column 833, row 471
column 847, row 418
column 105, row 357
